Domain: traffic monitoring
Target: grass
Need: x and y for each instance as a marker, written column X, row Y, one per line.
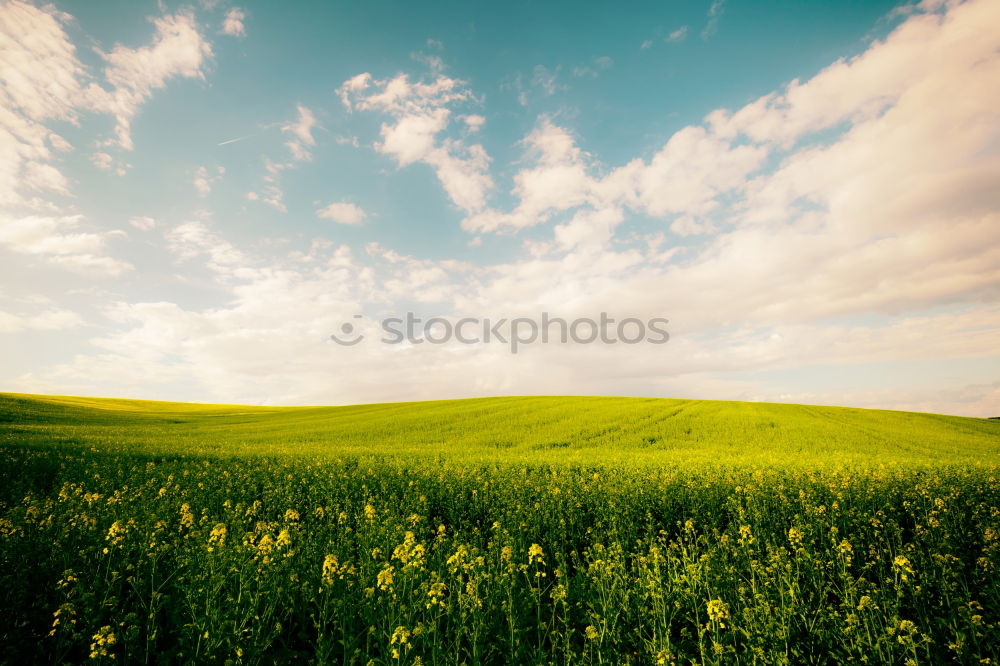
column 504, row 530
column 550, row 430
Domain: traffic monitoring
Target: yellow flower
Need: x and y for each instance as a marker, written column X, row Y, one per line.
column 795, row 537
column 744, row 533
column 369, row 512
column 217, row 538
column 535, row 554
column 590, row 632
column 291, row 516
column 866, row 603
column 102, row 641
column 401, row 636
column 329, row 569
column 385, row 578
column 265, row 546
column 116, row 533
column 846, row 550
column 436, row 594
column 187, row 518
column 902, row 565
column 663, row 657
column 410, row 553
column 718, row 611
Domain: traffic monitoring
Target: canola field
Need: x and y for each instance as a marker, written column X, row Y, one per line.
column 496, row 531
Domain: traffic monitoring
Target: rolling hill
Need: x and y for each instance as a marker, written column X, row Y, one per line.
column 587, row 430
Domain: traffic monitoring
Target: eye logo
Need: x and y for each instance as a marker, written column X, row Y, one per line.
column 347, row 328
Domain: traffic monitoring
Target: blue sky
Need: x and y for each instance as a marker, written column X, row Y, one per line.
column 198, row 194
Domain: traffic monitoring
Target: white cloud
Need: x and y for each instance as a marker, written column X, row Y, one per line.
column 272, row 195
column 205, row 178
column 421, row 113
column 41, row 74
column 434, row 63
column 102, row 160
column 343, row 213
column 677, row 35
column 52, row 319
column 413, row 137
column 56, row 239
column 686, row 176
column 301, row 131
column 546, row 79
column 178, row 50
column 271, row 339
column 299, row 145
column 715, row 11
column 194, row 239
column 40, row 79
column 473, row 122
column 232, row 24
column 142, row 223
column 43, row 81
column 980, row 400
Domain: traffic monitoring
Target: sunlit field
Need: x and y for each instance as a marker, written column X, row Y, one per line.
column 496, row 531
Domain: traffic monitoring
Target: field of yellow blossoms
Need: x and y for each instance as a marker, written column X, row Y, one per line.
column 115, row 549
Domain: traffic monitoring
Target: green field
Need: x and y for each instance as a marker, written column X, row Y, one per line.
column 496, row 531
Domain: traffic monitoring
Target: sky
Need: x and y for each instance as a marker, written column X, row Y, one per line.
column 195, row 197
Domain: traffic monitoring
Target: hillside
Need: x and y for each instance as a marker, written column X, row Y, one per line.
column 589, row 430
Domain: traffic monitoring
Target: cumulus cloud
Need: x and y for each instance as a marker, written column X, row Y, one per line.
column 40, row 79
column 58, row 240
column 271, row 340
column 343, row 212
column 51, row 319
column 102, row 160
column 232, row 24
column 204, row 178
column 41, row 74
column 686, row 177
column 142, row 223
column 473, row 122
column 421, row 113
column 44, row 81
column 195, row 239
column 178, row 50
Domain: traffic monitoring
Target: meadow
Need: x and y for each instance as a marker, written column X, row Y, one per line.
column 496, row 531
